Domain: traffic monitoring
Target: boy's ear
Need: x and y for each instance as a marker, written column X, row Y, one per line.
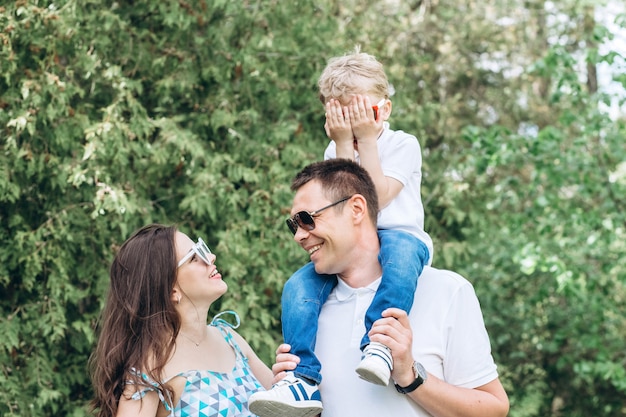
column 386, row 110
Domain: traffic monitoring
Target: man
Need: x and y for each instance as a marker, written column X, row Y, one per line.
column 441, row 351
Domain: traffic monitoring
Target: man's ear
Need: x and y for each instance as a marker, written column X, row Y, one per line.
column 359, row 208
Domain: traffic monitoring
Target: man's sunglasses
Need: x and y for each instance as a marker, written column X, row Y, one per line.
column 305, row 220
column 200, row 249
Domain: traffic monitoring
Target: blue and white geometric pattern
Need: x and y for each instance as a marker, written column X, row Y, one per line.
column 214, row 394
column 209, row 394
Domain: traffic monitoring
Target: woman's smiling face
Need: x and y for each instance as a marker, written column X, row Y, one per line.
column 198, row 279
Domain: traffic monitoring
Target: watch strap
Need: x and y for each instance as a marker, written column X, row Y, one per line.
column 419, row 380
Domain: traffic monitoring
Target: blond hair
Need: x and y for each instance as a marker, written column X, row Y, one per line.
column 353, row 73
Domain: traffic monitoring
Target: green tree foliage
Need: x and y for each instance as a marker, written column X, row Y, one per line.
column 117, row 114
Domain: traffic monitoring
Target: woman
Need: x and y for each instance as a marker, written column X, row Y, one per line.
column 156, row 356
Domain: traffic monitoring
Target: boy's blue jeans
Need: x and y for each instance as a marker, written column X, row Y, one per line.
column 402, row 257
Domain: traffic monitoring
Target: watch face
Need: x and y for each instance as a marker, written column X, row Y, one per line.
column 419, row 370
column 420, row 377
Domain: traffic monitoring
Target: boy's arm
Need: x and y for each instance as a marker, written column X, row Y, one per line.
column 339, row 130
column 367, row 130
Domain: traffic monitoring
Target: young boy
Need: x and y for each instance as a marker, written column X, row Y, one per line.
column 355, row 91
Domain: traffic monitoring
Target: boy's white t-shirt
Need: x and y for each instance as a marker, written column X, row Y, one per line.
column 400, row 158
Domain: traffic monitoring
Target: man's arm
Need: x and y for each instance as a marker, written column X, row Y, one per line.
column 442, row 399
column 436, row 396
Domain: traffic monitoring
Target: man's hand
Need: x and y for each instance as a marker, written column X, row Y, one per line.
column 285, row 361
column 394, row 331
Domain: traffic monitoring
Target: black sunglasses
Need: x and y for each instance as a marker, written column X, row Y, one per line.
column 305, row 220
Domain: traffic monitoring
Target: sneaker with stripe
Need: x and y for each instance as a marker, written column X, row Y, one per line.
column 290, row 397
column 376, row 364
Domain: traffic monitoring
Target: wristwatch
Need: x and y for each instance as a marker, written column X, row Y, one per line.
column 420, row 378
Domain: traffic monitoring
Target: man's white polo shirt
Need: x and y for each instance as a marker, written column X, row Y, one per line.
column 449, row 339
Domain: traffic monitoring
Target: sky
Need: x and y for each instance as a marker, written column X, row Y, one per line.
column 607, row 15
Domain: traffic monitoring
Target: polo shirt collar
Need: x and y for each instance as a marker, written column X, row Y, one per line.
column 344, row 292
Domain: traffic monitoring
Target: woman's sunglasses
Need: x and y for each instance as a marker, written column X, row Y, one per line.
column 200, row 249
column 305, row 220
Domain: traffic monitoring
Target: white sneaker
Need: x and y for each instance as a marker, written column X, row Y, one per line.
column 290, row 397
column 376, row 364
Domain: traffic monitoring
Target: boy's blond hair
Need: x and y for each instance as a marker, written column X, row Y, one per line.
column 353, row 73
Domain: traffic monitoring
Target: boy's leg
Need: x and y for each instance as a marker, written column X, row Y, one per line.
column 302, row 299
column 402, row 257
column 297, row 395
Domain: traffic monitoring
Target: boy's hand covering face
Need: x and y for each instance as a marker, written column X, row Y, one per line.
column 365, row 128
column 338, row 127
column 354, row 122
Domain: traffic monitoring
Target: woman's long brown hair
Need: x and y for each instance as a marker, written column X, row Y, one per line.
column 139, row 323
